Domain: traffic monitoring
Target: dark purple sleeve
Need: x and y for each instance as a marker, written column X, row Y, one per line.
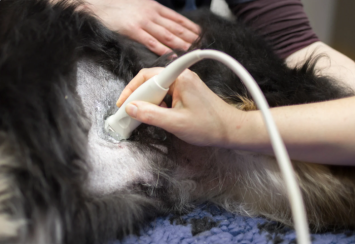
column 283, row 23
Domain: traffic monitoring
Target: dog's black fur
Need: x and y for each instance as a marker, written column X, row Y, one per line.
column 42, row 125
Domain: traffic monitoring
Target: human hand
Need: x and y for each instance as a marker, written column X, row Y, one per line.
column 148, row 22
column 198, row 116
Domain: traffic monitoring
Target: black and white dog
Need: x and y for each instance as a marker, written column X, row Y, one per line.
column 62, row 180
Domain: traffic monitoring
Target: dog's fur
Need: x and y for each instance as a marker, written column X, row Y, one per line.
column 44, row 194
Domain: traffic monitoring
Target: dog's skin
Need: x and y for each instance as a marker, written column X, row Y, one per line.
column 62, row 180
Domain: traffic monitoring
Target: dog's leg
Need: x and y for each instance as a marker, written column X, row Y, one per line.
column 110, row 217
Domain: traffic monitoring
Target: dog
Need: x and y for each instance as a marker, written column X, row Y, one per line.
column 64, row 180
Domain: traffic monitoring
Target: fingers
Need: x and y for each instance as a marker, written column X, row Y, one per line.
column 178, row 18
column 139, row 79
column 165, row 36
column 164, row 29
column 176, row 29
column 149, row 40
column 185, row 81
column 151, row 114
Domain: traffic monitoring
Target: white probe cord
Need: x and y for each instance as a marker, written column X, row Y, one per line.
column 293, row 190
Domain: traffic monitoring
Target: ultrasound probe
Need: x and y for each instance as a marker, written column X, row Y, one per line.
column 120, row 125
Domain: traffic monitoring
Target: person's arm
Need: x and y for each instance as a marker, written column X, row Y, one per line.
column 285, row 25
column 332, row 63
column 319, row 133
column 146, row 21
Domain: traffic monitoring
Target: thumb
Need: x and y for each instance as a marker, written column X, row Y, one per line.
column 150, row 114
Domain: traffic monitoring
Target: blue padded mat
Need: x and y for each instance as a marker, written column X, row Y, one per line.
column 223, row 227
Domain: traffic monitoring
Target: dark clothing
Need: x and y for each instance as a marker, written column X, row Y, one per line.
column 283, row 23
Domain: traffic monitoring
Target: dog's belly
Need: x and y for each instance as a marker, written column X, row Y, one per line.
column 113, row 164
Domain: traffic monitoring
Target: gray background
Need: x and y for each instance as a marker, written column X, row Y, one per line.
column 334, row 23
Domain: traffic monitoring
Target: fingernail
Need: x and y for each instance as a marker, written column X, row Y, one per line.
column 172, row 56
column 131, row 110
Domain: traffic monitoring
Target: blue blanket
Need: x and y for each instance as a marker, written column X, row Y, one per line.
column 210, row 224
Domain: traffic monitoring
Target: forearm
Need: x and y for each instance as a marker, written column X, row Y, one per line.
column 320, row 132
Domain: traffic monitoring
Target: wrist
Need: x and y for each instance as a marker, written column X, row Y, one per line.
column 246, row 131
column 236, row 125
